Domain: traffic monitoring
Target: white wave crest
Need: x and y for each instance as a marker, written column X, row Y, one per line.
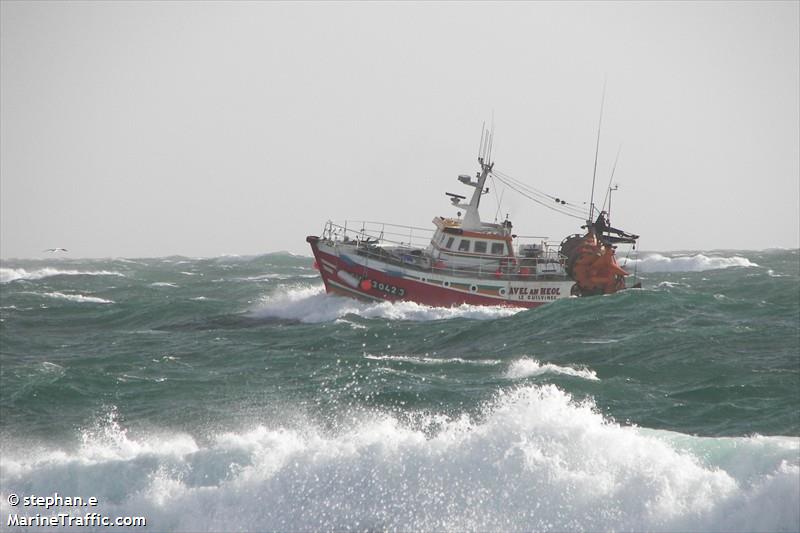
column 276, row 276
column 12, row 274
column 312, row 305
column 164, row 284
column 771, row 273
column 79, row 298
column 535, row 460
column 687, row 263
column 420, row 360
column 671, row 284
column 527, row 367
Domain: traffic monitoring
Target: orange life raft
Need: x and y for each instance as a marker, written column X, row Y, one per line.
column 593, row 265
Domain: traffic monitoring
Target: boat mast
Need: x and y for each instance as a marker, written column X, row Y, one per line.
column 472, row 218
column 596, row 152
column 610, row 180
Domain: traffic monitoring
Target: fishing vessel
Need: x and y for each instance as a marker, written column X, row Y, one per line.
column 465, row 260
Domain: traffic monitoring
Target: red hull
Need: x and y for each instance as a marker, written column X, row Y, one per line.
column 359, row 281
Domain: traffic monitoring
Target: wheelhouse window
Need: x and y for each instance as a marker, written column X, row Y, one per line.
column 498, row 248
column 480, row 247
column 463, row 246
column 442, row 238
column 449, row 245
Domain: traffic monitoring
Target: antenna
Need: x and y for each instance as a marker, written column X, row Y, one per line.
column 597, row 151
column 608, row 189
column 485, row 151
column 491, row 140
column 483, row 131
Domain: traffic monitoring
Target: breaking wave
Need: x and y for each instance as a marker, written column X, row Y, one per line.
column 312, row 305
column 687, row 263
column 527, row 367
column 13, row 274
column 534, row 459
column 420, row 360
column 79, row 298
column 276, row 276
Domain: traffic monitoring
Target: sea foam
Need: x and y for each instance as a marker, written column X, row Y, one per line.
column 78, row 298
column 532, row 459
column 685, row 263
column 13, row 274
column 421, row 360
column 312, row 305
column 528, row 367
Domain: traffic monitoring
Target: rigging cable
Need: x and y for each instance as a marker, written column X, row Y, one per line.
column 539, row 196
column 635, row 261
column 545, row 204
column 533, row 189
column 499, row 198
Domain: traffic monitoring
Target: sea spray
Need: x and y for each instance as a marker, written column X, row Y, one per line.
column 528, row 367
column 8, row 275
column 244, row 398
column 531, row 459
column 312, row 305
column 655, row 262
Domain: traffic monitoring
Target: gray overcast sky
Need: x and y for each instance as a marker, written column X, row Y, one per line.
column 146, row 129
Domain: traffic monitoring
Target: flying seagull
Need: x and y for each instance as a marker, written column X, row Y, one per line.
column 53, row 250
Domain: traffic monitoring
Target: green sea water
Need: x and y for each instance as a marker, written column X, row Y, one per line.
column 231, row 393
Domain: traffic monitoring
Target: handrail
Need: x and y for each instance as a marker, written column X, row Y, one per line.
column 379, row 233
column 393, row 225
column 372, row 242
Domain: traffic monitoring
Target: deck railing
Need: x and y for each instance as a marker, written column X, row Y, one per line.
column 378, row 233
column 395, row 243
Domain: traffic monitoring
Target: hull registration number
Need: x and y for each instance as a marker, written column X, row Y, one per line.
column 388, row 288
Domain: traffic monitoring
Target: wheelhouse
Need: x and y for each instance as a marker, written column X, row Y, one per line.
column 492, row 243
